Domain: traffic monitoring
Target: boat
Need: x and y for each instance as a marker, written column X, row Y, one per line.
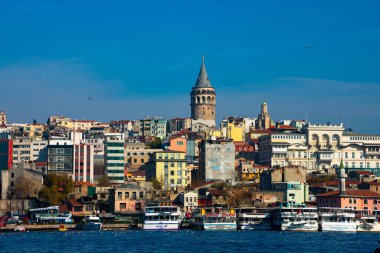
column 62, row 228
column 214, row 219
column 367, row 221
column 91, row 223
column 337, row 219
column 251, row 218
column 294, row 218
column 19, row 229
column 162, row 218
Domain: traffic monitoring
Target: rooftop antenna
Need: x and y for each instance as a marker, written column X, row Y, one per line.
column 306, row 118
column 340, row 117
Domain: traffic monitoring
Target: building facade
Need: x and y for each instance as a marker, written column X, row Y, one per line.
column 217, row 160
column 83, row 167
column 60, row 156
column 170, row 169
column 114, row 157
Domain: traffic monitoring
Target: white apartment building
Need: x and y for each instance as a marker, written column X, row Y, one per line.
column 321, row 148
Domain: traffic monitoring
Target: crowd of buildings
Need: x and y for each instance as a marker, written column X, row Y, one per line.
column 180, row 160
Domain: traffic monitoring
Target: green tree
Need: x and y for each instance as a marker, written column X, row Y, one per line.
column 57, row 188
column 156, row 143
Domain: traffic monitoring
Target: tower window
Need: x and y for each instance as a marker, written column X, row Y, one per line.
column 203, row 99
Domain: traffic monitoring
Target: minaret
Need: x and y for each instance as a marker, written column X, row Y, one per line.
column 342, row 177
column 203, row 98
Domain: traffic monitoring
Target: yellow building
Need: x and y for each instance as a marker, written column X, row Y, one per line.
column 232, row 130
column 170, row 169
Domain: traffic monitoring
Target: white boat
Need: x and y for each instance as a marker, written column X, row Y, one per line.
column 251, row 218
column 295, row 218
column 367, row 221
column 19, row 229
column 214, row 219
column 162, row 218
column 91, row 223
column 337, row 219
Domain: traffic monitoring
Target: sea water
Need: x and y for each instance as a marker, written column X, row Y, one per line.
column 188, row 241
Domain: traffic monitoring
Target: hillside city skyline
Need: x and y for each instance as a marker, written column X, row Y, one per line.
column 132, row 66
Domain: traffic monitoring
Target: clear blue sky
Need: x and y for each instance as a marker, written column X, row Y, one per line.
column 139, row 58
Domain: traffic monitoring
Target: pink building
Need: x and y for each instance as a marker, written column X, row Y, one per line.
column 83, row 164
column 128, row 198
column 178, row 144
column 353, row 199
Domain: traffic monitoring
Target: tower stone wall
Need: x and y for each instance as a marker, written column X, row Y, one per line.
column 203, row 98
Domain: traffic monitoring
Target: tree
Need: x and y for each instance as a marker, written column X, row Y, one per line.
column 57, row 188
column 156, row 143
column 104, row 181
column 237, row 196
column 22, row 189
column 157, row 184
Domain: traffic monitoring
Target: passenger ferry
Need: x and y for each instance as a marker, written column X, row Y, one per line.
column 214, row 219
column 162, row 218
column 295, row 218
column 337, row 219
column 367, row 221
column 251, row 218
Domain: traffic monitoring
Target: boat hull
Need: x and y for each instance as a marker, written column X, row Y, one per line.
column 161, row 225
column 90, row 226
column 255, row 227
column 339, row 227
column 300, row 227
column 220, row 226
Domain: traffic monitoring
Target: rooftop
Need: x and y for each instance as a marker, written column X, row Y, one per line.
column 351, row 193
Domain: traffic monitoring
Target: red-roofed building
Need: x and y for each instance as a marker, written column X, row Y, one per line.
column 354, row 199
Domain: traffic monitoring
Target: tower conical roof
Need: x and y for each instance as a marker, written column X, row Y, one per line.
column 203, row 81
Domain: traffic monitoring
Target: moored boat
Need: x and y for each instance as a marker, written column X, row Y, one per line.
column 19, row 229
column 367, row 221
column 91, row 223
column 162, row 218
column 214, row 219
column 251, row 218
column 62, row 228
column 337, row 219
column 295, row 218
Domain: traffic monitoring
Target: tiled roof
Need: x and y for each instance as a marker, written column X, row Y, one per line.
column 348, row 182
column 73, row 202
column 353, row 193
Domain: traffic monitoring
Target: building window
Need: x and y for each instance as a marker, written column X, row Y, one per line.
column 350, row 201
column 353, row 155
column 119, row 195
column 365, row 201
column 126, row 195
column 134, row 195
column 172, row 173
column 178, row 181
column 171, row 181
column 141, row 195
column 123, row 206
